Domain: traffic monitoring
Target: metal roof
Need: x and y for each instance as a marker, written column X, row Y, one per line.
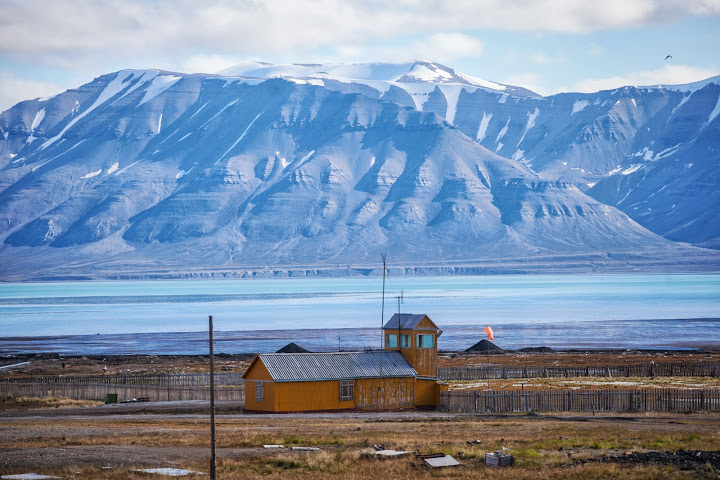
column 336, row 366
column 408, row 321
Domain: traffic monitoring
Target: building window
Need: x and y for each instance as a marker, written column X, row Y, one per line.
column 346, row 390
column 405, row 341
column 426, row 341
column 259, row 392
column 391, row 340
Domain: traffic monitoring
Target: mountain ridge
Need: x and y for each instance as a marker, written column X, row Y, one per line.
column 156, row 168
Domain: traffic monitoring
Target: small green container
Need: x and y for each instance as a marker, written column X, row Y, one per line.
column 111, row 398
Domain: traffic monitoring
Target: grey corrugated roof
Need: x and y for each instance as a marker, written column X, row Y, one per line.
column 332, row 366
column 409, row 321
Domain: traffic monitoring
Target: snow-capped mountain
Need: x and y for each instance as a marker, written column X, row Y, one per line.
column 615, row 138
column 159, row 172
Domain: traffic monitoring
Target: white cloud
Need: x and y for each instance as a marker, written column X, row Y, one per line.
column 531, row 81
column 544, row 59
column 14, row 90
column 440, row 47
column 668, row 75
column 65, row 31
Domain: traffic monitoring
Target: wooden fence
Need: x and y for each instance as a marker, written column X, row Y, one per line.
column 480, row 372
column 641, row 400
column 154, row 388
column 162, row 380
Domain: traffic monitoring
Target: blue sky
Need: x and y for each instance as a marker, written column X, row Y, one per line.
column 546, row 45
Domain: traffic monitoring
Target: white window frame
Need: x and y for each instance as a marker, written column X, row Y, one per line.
column 259, row 392
column 347, row 390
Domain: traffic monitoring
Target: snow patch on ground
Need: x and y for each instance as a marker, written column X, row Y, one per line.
column 688, row 165
column 503, row 98
column 92, row 174
column 634, row 102
column 482, row 129
column 159, row 124
column 185, row 136
column 113, row 168
column 158, row 85
column 579, row 106
column 372, row 161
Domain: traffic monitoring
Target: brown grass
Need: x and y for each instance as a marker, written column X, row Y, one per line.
column 12, row 403
column 541, row 445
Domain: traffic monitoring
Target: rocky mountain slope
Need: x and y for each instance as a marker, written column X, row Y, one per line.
column 162, row 173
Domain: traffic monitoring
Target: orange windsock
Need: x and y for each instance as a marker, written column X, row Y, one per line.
column 488, row 330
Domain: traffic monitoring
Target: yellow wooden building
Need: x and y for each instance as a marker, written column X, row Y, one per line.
column 401, row 376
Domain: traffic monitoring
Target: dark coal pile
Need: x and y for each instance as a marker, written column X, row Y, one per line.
column 292, row 347
column 484, row 346
column 681, row 460
column 536, row 350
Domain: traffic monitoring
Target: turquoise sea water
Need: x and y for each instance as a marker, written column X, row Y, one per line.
column 561, row 311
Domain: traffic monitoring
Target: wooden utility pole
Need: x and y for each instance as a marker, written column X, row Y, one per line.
column 212, row 407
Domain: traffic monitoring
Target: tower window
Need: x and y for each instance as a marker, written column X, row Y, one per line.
column 405, row 341
column 426, row 341
column 391, row 340
column 259, row 392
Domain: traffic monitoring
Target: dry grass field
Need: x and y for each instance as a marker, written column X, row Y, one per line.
column 114, row 446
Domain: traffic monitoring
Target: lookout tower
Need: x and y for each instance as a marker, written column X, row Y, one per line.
column 415, row 336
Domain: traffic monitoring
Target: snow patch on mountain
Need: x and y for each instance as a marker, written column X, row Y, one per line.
column 112, row 89
column 578, row 106
column 482, row 129
column 247, row 129
column 503, row 131
column 158, row 85
column 39, row 116
column 530, row 124
column 92, row 174
column 714, row 113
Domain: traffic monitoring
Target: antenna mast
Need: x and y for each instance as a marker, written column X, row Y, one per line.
column 382, row 324
column 400, row 299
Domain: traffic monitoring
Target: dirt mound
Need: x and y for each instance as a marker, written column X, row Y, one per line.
column 292, row 347
column 536, row 350
column 485, row 346
column 682, row 459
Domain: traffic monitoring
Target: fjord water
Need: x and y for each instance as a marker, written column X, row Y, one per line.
column 258, row 315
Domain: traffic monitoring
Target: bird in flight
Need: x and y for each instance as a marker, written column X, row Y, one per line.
column 669, row 56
